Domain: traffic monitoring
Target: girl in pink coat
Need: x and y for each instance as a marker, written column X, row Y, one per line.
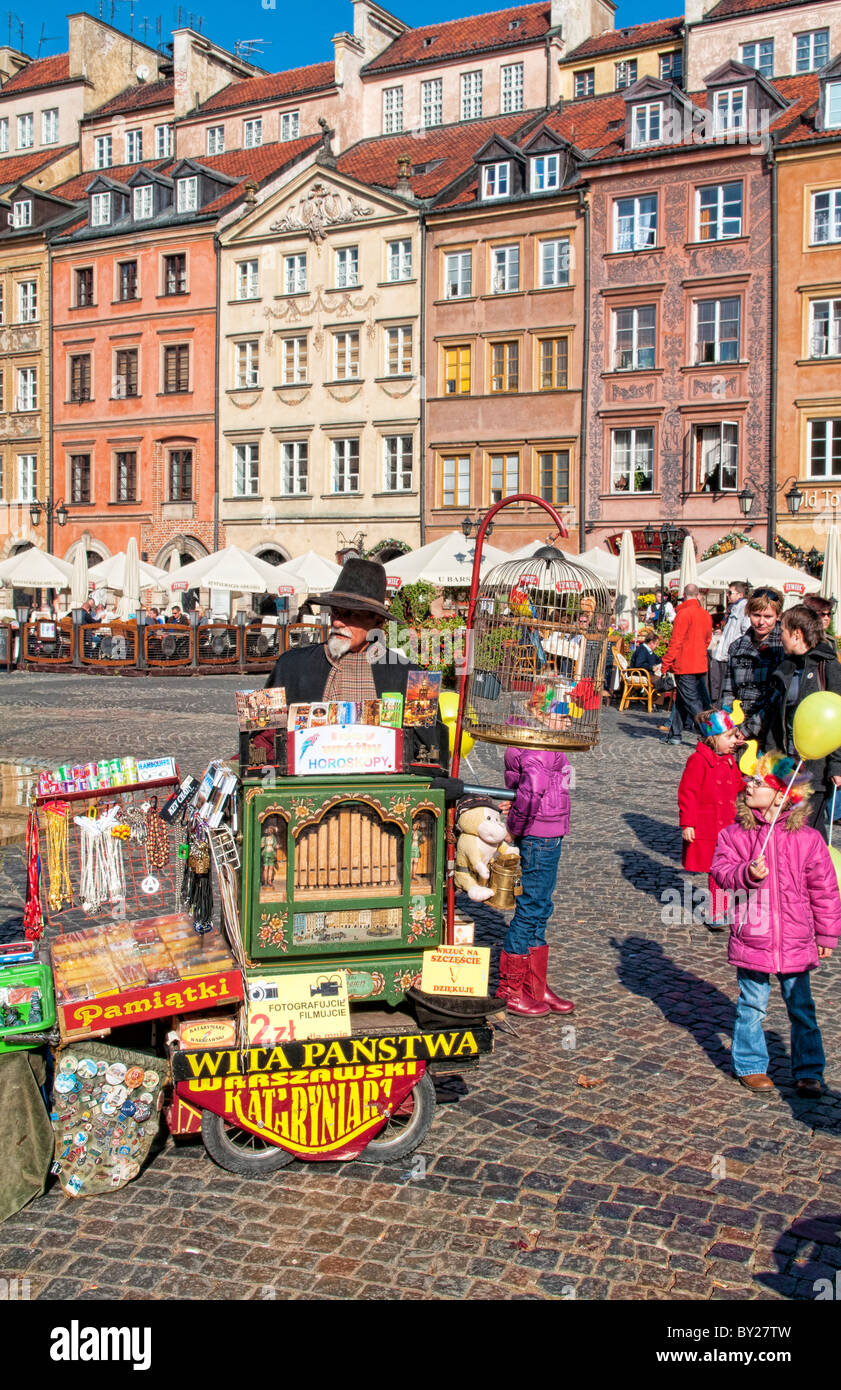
column 787, row 916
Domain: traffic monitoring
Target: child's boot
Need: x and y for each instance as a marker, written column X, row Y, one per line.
column 512, row 986
column 536, row 982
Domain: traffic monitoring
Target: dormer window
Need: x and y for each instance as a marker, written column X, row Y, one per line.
column 832, row 105
column 647, row 126
column 22, row 213
column 729, row 111
column 545, row 172
column 187, row 194
column 143, row 202
column 496, row 180
column 100, row 209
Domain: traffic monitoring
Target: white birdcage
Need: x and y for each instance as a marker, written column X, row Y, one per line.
column 540, row 630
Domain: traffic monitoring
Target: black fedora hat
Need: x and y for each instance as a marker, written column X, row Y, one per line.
column 360, row 586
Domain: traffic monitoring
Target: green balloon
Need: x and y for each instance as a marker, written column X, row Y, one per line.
column 835, row 856
column 817, row 725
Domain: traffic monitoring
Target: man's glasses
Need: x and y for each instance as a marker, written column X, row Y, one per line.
column 344, row 615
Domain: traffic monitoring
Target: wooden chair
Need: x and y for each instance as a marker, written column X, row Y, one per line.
column 525, row 659
column 636, row 685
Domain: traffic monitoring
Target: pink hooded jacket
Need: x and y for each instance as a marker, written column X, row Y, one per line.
column 778, row 924
column 541, row 778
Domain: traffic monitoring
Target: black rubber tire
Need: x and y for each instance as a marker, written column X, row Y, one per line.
column 393, row 1146
column 247, row 1162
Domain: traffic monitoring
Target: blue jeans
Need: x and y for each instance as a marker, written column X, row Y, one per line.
column 540, row 858
column 691, row 696
column 750, row 1051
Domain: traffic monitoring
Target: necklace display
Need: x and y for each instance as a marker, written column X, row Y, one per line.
column 102, row 878
column 57, row 822
column 156, row 844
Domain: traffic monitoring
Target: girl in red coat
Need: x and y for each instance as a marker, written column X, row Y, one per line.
column 706, row 797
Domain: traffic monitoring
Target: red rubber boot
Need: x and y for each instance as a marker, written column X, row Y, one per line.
column 536, row 982
column 513, row 987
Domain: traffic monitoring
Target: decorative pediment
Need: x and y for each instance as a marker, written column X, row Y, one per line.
column 497, row 148
column 319, row 209
column 730, row 74
column 143, row 176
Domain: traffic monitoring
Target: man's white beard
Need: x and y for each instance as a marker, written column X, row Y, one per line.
column 338, row 646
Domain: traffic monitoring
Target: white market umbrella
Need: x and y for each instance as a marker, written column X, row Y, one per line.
column 110, row 574
column 625, row 605
column 308, row 573
column 130, row 601
column 446, row 562
column 231, row 569
column 36, row 569
column 605, row 565
column 688, row 565
column 831, row 577
column 79, row 588
column 756, row 568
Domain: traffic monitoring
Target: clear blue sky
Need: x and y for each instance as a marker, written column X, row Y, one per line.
column 292, row 37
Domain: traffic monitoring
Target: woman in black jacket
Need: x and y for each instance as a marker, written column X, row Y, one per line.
column 810, row 664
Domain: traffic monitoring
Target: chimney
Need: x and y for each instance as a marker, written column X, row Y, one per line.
column 404, row 182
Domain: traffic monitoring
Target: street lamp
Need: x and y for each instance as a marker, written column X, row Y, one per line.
column 794, row 498
column 59, row 511
column 671, row 539
column 746, row 499
column 470, row 528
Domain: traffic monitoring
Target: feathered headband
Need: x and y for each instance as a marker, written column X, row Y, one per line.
column 719, row 721
column 775, row 770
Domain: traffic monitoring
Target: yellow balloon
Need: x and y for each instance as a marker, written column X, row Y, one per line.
column 737, row 714
column 817, row 725
column 748, row 760
column 448, row 705
column 835, row 856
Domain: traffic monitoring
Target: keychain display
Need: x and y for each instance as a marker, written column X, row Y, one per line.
column 196, row 886
column 57, row 826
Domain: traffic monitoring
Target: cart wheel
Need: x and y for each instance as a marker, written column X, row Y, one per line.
column 406, row 1129
column 239, row 1151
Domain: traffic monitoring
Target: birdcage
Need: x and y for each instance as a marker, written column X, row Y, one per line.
column 540, row 630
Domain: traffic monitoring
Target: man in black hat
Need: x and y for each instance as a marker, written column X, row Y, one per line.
column 354, row 663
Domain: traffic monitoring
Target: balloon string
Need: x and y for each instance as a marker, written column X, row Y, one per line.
column 832, row 813
column 779, row 808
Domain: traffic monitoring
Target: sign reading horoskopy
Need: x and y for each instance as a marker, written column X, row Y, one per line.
column 282, row 1008
column 346, row 749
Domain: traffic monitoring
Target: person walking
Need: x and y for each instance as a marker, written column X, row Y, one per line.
column 752, row 660
column 736, row 623
column 787, row 917
column 686, row 658
column 706, row 800
column 810, row 664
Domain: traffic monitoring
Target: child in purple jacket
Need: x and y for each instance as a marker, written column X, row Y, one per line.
column 787, row 917
column 538, row 819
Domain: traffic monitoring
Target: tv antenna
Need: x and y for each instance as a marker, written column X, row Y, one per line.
column 45, row 38
column 245, row 48
column 13, row 20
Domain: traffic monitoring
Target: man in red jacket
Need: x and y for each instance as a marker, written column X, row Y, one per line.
column 686, row 657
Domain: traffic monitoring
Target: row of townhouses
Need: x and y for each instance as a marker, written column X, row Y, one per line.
column 522, row 252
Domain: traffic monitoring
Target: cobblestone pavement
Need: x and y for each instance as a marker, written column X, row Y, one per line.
column 609, row 1156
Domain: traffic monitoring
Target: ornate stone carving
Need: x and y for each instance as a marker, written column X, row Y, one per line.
column 245, row 402
column 316, row 308
column 292, row 397
column 319, row 209
column 343, row 398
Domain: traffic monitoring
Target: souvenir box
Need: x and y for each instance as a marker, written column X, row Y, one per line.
column 28, row 990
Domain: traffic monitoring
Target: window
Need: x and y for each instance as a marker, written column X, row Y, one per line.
column 545, row 172
column 505, row 269
column 80, row 377
column 457, row 370
column 832, row 105
column 825, row 328
column 293, row 468
column 4, row 135
column 186, row 193
column 216, row 139
column 471, row 96
column 127, row 280
column 554, row 364
column 635, row 223
column 632, row 461
column 512, row 87
column 585, row 83
column 134, row 146
column 505, row 476
column 458, row 275
column 246, row 470
column 125, row 373
column 398, row 351
column 27, row 477
column 455, row 481
column 49, row 126
column 716, row 454
column 717, row 338
column 505, row 366
column 143, row 202
column 719, row 212
column 163, row 141
column 176, row 369
column 252, row 133
column 248, row 364
column 27, row 301
column 293, row 361
column 759, row 55
column 345, row 465
column 247, row 280
column 399, row 260
column 290, row 125
column 397, row 463
column 432, row 102
column 295, row 273
column 647, row 123
column 22, row 213
column 125, row 476
column 495, row 180
column 103, row 156
column 671, row 66
column 554, row 262
column 825, row 448
column 84, row 287
column 626, row 73
column 634, row 338
column 811, row 51
column 180, row 475
column 80, row 478
column 347, row 267
column 26, row 132
column 175, row 273
column 554, row 477
column 729, row 109
column 346, row 356
column 2, row 307
column 392, row 110
column 100, row 209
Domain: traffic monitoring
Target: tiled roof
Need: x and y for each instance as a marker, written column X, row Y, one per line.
column 798, row 122
column 619, row 40
column 275, row 86
column 137, row 98
column 463, row 38
column 43, row 72
column 16, row 168
column 727, row 8
column 451, row 148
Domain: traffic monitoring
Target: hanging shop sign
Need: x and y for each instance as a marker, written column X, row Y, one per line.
column 282, row 1008
column 348, row 749
column 112, row 1010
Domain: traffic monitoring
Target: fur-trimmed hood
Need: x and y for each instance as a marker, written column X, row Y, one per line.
column 790, row 817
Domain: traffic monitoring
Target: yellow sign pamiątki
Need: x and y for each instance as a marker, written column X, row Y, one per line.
column 456, row 970
column 285, row 1008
